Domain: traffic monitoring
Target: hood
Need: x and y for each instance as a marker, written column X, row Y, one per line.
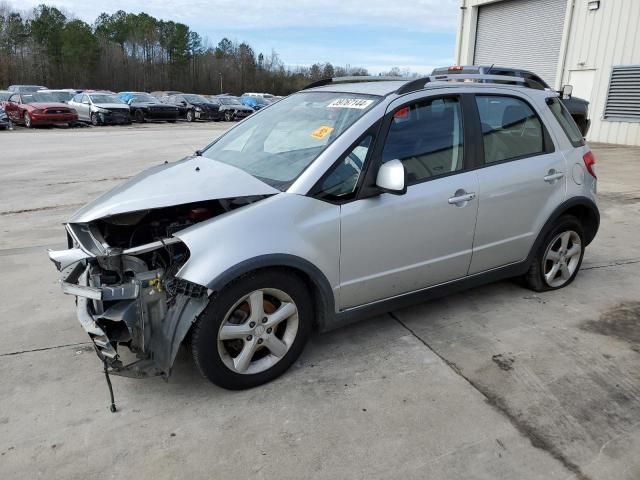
column 152, row 104
column 112, row 105
column 43, row 105
column 205, row 105
column 193, row 179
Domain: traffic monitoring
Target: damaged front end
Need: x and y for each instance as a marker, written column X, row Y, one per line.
column 123, row 270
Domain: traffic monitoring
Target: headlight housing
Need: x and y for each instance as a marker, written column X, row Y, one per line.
column 102, row 110
column 198, row 109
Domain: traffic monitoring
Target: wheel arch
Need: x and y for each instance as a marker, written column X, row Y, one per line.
column 583, row 208
column 318, row 285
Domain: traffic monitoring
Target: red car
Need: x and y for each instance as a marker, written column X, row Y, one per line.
column 31, row 109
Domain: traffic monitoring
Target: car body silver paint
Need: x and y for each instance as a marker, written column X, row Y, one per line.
column 282, row 224
column 370, row 249
column 192, row 179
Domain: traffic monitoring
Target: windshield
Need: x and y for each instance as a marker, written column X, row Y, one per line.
column 38, row 98
column 195, row 99
column 277, row 144
column 61, row 96
column 229, row 101
column 105, row 98
column 144, row 97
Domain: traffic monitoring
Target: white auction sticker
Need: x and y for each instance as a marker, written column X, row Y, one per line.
column 359, row 103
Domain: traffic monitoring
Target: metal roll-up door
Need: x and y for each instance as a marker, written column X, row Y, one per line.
column 521, row 34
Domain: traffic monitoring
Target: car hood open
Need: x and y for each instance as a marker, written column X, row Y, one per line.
column 193, row 179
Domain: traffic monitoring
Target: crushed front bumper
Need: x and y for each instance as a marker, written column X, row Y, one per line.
column 138, row 313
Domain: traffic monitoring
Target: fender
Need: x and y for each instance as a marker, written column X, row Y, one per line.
column 323, row 294
column 561, row 209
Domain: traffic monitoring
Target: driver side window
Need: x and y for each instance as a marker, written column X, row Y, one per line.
column 342, row 180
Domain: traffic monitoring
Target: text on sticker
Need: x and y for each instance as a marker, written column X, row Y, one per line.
column 359, row 103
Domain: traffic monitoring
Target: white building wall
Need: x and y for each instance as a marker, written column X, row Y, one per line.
column 598, row 40
column 593, row 42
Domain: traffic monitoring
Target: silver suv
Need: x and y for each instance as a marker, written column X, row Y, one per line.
column 338, row 202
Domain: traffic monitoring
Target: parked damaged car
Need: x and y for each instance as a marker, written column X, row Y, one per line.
column 335, row 203
column 194, row 107
column 146, row 107
column 38, row 109
column 101, row 108
column 231, row 107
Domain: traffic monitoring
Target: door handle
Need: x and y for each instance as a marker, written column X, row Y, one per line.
column 552, row 176
column 461, row 197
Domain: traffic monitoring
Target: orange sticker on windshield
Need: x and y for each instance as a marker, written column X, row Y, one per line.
column 321, row 132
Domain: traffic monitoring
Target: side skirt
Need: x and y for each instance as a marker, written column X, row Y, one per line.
column 355, row 314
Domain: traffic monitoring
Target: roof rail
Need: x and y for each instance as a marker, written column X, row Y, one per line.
column 354, row 79
column 413, row 85
column 479, row 77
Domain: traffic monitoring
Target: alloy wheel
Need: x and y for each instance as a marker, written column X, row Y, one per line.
column 27, row 120
column 228, row 116
column 258, row 331
column 561, row 258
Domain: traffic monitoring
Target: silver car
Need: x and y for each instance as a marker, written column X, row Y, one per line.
column 101, row 108
column 336, row 203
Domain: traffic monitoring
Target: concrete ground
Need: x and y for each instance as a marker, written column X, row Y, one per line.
column 493, row 383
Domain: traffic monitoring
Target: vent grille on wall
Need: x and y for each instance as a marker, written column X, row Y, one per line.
column 623, row 99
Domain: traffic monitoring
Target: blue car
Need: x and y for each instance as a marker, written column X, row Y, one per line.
column 254, row 102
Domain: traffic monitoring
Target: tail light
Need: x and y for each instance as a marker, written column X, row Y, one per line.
column 589, row 163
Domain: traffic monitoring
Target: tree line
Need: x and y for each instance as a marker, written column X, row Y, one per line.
column 127, row 51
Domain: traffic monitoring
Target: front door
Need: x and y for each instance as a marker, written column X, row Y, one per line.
column 395, row 244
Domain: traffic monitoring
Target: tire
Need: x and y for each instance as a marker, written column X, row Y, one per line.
column 139, row 116
column 539, row 277
column 191, row 117
column 220, row 360
column 228, row 116
column 95, row 120
column 27, row 120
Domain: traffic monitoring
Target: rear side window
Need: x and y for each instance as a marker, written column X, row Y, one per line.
column 566, row 121
column 427, row 137
column 510, row 128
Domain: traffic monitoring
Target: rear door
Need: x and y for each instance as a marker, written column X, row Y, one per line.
column 521, row 180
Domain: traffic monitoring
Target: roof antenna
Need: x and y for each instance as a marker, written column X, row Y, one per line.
column 490, row 68
column 112, row 407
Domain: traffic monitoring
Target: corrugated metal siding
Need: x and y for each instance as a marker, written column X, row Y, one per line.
column 521, row 33
column 623, row 99
column 599, row 40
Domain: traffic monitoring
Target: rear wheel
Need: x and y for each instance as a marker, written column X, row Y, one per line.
column 27, row 120
column 559, row 257
column 253, row 330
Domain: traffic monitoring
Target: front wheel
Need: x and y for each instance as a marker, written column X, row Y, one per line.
column 228, row 116
column 95, row 120
column 27, row 120
column 139, row 116
column 559, row 257
column 253, row 330
column 191, row 117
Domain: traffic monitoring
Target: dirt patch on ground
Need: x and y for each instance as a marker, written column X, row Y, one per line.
column 505, row 362
column 622, row 321
column 621, row 198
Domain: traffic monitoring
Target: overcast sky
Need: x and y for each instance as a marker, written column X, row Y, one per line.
column 376, row 34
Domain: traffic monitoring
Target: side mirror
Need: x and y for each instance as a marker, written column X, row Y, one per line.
column 566, row 91
column 392, row 177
